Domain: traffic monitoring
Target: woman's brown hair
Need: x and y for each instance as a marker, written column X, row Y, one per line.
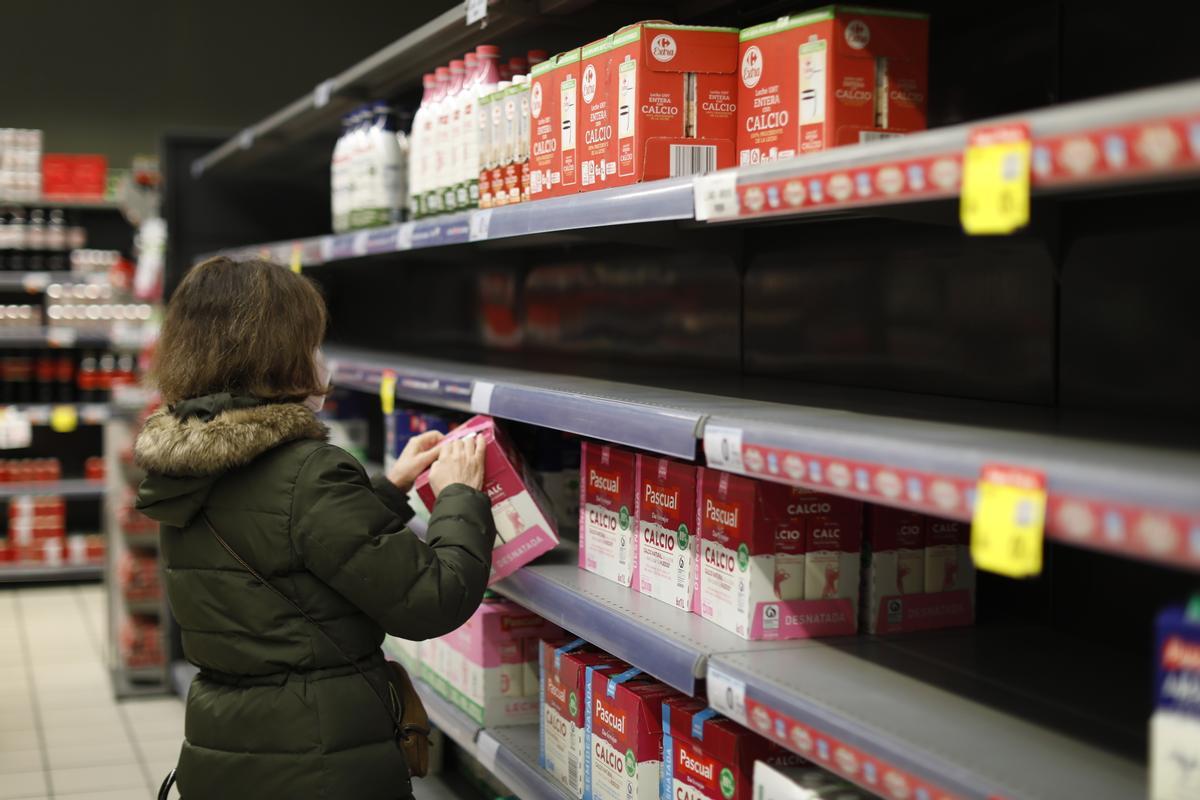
column 245, row 327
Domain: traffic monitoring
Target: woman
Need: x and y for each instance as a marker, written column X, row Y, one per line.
column 276, row 711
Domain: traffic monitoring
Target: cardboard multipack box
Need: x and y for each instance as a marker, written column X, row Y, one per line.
column 1175, row 724
column 597, row 116
column 525, row 525
column 740, row 521
column 562, row 746
column 709, row 757
column 948, row 564
column 607, row 502
column 833, row 545
column 624, row 735
column 667, row 545
column 553, row 115
column 488, row 667
column 838, row 75
column 671, row 97
column 802, row 782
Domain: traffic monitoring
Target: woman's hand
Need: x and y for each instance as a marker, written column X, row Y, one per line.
column 459, row 461
column 420, row 452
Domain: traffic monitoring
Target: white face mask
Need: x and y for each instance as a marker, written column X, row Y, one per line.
column 316, row 402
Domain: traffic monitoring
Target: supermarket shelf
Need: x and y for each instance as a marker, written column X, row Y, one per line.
column 394, row 68
column 82, row 204
column 86, row 413
column 672, row 645
column 52, row 337
column 511, row 754
column 624, row 205
column 38, row 574
column 181, row 674
column 145, row 682
column 900, row 724
column 1131, row 501
column 635, row 416
column 436, row 787
column 72, row 487
column 35, row 282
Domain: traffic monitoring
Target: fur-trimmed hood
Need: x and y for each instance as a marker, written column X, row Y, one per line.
column 186, row 448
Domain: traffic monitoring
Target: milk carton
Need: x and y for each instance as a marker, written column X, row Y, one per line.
column 666, row 563
column 740, row 522
column 802, row 782
column 607, row 480
column 838, row 75
column 948, row 564
column 708, row 757
column 553, row 114
column 597, row 115
column 834, row 548
column 525, row 526
column 482, row 666
column 563, row 692
column 625, row 735
column 1175, row 724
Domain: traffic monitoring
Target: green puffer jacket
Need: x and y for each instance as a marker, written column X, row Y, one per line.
column 276, row 712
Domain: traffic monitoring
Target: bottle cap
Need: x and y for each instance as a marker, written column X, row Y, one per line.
column 487, row 51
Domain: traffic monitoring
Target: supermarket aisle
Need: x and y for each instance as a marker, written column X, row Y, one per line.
column 61, row 733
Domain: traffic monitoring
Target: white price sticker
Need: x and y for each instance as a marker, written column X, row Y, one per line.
column 476, row 11
column 487, row 746
column 404, row 236
column 727, row 695
column 481, row 221
column 246, row 139
column 359, row 244
column 723, row 448
column 715, row 195
column 58, row 336
column 16, row 430
column 36, row 282
column 481, row 397
column 323, row 93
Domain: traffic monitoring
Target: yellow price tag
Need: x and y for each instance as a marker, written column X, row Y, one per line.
column 387, row 391
column 995, row 185
column 64, row 419
column 297, row 261
column 1008, row 527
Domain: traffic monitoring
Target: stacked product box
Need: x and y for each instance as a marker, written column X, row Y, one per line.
column 917, row 572
column 553, row 117
column 624, row 735
column 525, row 525
column 756, row 540
column 802, row 782
column 564, row 667
column 1175, row 724
column 835, row 76
column 607, row 505
column 667, row 546
column 488, row 667
column 709, row 757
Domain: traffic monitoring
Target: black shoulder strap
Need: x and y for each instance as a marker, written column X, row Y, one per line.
column 393, row 709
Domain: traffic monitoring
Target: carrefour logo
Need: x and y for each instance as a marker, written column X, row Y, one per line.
column 858, row 35
column 535, row 99
column 588, row 86
column 752, row 67
column 663, row 47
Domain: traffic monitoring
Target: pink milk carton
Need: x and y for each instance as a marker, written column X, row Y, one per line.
column 667, row 545
column 607, row 498
column 483, row 666
column 525, row 526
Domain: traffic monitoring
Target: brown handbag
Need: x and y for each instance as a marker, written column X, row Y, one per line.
column 403, row 705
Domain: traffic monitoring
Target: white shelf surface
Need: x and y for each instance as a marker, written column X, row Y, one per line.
column 33, row 573
column 1131, row 501
column 71, row 487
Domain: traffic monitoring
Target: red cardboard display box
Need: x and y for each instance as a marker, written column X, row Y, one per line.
column 553, row 114
column 525, row 527
column 709, row 757
column 74, row 175
column 624, row 735
column 838, row 75
column 607, row 506
column 667, row 546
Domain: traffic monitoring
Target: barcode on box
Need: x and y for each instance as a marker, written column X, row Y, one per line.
column 573, row 770
column 877, row 136
column 693, row 159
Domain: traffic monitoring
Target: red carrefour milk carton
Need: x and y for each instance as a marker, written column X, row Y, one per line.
column 838, row 75
column 525, row 526
column 709, row 757
column 554, row 119
column 624, row 735
column 741, row 522
column 597, row 116
column 673, row 91
column 607, row 500
column 665, row 564
column 564, row 664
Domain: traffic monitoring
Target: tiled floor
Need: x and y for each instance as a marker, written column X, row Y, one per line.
column 62, row 735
